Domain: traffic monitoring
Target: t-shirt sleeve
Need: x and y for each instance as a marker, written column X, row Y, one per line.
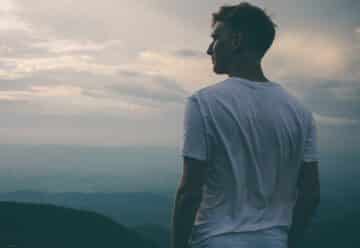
column 194, row 134
column 311, row 145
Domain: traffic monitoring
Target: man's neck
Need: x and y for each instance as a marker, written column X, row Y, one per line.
column 249, row 72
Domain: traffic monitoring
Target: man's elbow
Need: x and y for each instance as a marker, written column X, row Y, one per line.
column 309, row 183
column 190, row 195
column 315, row 195
column 311, row 199
column 317, row 199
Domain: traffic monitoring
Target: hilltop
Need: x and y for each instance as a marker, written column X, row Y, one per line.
column 44, row 225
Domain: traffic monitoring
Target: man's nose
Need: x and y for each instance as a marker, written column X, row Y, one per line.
column 210, row 49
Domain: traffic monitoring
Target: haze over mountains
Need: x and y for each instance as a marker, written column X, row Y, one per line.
column 135, row 186
column 60, row 168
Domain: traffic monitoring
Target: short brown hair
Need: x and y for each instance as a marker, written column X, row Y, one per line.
column 251, row 20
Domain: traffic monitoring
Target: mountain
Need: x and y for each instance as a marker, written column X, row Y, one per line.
column 42, row 226
column 129, row 209
column 159, row 234
column 335, row 224
column 339, row 231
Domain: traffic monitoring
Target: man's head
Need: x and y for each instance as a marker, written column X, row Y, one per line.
column 241, row 34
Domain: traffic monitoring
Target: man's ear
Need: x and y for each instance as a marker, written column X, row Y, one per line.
column 237, row 41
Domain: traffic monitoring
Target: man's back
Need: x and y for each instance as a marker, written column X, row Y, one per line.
column 254, row 137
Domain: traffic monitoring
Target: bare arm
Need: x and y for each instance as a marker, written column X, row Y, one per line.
column 188, row 198
column 307, row 202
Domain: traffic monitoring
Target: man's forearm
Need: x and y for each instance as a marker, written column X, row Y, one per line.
column 304, row 211
column 186, row 205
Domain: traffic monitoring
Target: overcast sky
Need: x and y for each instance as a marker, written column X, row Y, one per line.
column 116, row 72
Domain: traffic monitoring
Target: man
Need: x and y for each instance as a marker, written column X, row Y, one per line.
column 250, row 172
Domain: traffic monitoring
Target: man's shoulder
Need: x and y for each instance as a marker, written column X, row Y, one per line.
column 208, row 90
column 294, row 100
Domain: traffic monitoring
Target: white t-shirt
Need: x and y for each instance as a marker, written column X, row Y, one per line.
column 254, row 137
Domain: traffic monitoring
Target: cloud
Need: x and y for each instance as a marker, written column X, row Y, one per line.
column 189, row 53
column 191, row 73
column 103, row 64
column 294, row 56
column 138, row 91
column 100, row 83
column 285, row 12
column 71, row 46
column 337, row 99
column 65, row 101
column 308, row 44
column 9, row 22
column 132, row 22
column 21, row 67
column 301, row 54
column 147, row 89
column 6, row 6
column 68, row 92
column 40, row 91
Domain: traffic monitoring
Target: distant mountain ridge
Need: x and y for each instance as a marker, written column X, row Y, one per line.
column 160, row 235
column 335, row 224
column 26, row 225
column 130, row 208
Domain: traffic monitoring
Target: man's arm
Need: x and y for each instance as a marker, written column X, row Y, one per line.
column 187, row 201
column 307, row 202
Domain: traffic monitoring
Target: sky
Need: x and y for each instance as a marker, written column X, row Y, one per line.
column 117, row 72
